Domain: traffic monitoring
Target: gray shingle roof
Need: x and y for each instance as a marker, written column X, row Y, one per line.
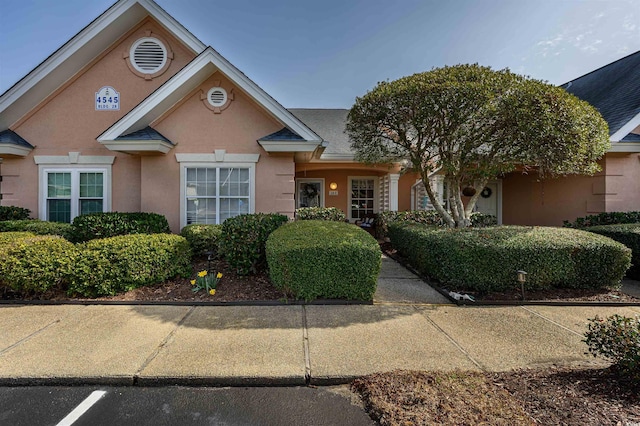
column 282, row 135
column 613, row 89
column 329, row 124
column 146, row 134
column 11, row 137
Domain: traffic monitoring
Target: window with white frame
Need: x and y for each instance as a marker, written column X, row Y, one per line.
column 214, row 194
column 363, row 197
column 72, row 192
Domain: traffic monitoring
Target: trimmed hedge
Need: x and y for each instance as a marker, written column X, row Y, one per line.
column 33, row 265
column 103, row 225
column 320, row 213
column 428, row 217
column 111, row 265
column 202, row 238
column 38, row 227
column 14, row 213
column 324, row 259
column 627, row 234
column 243, row 239
column 487, row 259
column 9, row 237
column 606, row 218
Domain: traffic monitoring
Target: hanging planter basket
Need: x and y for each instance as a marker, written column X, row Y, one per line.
column 468, row 191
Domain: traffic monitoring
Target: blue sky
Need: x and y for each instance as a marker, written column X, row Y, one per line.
column 323, row 54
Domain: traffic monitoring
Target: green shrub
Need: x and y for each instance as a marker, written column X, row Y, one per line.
column 487, row 259
column 14, row 213
column 627, row 234
column 617, row 339
column 111, row 265
column 323, row 259
column 243, row 239
column 9, row 237
column 428, row 217
column 103, row 225
column 33, row 265
column 202, row 238
column 320, row 213
column 38, row 227
column 606, row 218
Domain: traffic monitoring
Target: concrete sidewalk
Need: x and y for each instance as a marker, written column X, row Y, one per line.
column 409, row 326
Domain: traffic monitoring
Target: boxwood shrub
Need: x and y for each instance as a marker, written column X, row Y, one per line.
column 202, row 238
column 111, row 265
column 320, row 213
column 39, row 227
column 13, row 213
column 627, row 234
column 323, row 259
column 428, row 217
column 103, row 225
column 605, row 218
column 487, row 259
column 243, row 239
column 8, row 237
column 34, row 264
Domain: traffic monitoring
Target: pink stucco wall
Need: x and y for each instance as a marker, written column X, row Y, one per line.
column 67, row 121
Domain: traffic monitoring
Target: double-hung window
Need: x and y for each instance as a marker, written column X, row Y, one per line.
column 214, row 194
column 73, row 192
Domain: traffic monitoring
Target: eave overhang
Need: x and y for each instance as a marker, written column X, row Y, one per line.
column 13, row 145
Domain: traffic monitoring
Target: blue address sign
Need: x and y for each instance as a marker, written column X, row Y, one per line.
column 107, row 99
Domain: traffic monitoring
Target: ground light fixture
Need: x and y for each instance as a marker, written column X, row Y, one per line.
column 522, row 277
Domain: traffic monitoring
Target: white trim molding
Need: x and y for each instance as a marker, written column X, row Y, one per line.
column 74, row 158
column 139, row 147
column 13, row 150
column 219, row 156
column 624, row 147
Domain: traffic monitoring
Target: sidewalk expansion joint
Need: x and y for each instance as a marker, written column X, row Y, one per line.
column 456, row 344
column 162, row 344
column 551, row 321
column 305, row 343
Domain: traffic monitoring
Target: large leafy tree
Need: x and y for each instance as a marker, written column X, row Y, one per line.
column 472, row 124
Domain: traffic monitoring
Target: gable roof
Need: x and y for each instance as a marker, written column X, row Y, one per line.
column 90, row 42
column 188, row 79
column 330, row 124
column 615, row 91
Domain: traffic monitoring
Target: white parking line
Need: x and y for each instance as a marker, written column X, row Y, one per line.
column 82, row 408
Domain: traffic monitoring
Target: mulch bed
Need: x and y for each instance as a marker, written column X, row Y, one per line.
column 552, row 396
column 515, row 295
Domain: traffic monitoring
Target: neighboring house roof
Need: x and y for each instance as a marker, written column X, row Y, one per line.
column 188, row 79
column 615, row 91
column 329, row 124
column 90, row 42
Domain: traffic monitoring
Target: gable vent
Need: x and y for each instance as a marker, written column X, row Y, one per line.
column 148, row 55
column 217, row 96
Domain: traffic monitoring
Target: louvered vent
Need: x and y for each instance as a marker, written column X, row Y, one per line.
column 148, row 55
column 217, row 96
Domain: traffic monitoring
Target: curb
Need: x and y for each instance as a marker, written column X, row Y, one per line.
column 185, row 303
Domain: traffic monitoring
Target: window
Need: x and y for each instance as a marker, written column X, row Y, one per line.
column 363, row 197
column 70, row 193
column 214, row 194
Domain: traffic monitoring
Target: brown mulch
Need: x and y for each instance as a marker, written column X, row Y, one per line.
column 515, row 295
column 553, row 396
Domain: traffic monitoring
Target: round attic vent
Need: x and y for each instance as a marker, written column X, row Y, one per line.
column 148, row 55
column 217, row 96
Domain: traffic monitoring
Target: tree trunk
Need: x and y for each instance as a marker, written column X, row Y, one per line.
column 446, row 217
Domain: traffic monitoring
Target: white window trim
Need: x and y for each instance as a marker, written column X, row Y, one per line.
column 309, row 180
column 186, row 162
column 44, row 170
column 376, row 195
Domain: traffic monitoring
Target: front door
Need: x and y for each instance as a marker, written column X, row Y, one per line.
column 488, row 200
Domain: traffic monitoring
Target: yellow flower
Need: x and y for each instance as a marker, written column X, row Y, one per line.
column 219, row 275
column 212, row 291
column 202, row 274
column 193, row 282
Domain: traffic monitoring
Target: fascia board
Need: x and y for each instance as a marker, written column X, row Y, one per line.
column 288, row 146
column 138, row 146
column 14, row 150
column 626, row 129
column 625, row 146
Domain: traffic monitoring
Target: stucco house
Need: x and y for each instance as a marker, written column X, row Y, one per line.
column 134, row 113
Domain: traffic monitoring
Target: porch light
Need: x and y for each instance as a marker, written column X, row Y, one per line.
column 522, row 277
column 333, row 186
